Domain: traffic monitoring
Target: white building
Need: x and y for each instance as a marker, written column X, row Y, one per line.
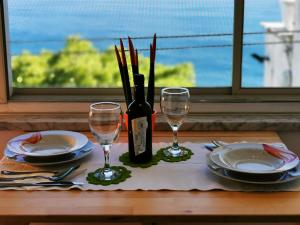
column 283, row 67
column 296, row 59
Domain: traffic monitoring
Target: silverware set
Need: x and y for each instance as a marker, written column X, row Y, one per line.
column 56, row 180
column 215, row 144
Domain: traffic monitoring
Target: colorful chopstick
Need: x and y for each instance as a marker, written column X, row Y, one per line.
column 137, row 61
column 132, row 56
column 122, row 74
column 125, row 73
column 151, row 87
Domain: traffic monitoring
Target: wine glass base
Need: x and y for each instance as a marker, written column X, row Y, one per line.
column 106, row 174
column 170, row 152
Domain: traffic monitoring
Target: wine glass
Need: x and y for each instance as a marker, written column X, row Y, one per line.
column 174, row 104
column 105, row 119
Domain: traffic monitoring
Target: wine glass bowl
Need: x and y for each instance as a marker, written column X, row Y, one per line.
column 105, row 120
column 175, row 106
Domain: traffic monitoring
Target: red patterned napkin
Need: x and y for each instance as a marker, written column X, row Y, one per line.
column 33, row 139
column 279, row 153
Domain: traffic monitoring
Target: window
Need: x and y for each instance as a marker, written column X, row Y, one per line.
column 216, row 47
column 68, row 43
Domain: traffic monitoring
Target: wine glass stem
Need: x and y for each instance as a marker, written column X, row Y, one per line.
column 175, row 137
column 106, row 150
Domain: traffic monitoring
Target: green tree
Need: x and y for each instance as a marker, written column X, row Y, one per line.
column 81, row 64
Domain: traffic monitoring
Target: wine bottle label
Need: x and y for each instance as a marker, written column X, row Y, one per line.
column 139, row 133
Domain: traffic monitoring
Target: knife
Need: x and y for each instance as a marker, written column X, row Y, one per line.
column 41, row 184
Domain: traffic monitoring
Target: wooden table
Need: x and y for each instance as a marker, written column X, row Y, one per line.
column 152, row 206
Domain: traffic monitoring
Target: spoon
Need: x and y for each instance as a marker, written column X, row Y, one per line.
column 8, row 172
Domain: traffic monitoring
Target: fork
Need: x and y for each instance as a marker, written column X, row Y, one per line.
column 56, row 177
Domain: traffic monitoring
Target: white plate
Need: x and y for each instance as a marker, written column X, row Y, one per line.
column 251, row 158
column 52, row 143
column 46, row 161
column 283, row 178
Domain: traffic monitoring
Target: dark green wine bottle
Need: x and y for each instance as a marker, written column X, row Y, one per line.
column 139, row 125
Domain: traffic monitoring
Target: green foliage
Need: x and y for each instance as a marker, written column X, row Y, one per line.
column 80, row 64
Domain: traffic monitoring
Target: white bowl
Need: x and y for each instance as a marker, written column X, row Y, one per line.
column 52, row 143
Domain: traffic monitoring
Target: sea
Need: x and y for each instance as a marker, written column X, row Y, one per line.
column 195, row 31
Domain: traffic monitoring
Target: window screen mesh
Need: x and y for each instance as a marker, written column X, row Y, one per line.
column 193, row 36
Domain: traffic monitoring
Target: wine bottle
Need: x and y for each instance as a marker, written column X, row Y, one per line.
column 139, row 124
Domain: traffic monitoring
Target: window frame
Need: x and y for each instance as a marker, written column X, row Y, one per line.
column 3, row 60
column 234, row 94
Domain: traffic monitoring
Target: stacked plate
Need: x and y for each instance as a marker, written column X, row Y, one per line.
column 48, row 147
column 254, row 163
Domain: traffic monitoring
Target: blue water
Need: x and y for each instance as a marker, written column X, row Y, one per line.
column 45, row 24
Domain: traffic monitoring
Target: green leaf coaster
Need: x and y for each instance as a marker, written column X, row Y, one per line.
column 123, row 174
column 124, row 158
column 187, row 154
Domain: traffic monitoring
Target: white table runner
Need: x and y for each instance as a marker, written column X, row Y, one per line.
column 181, row 176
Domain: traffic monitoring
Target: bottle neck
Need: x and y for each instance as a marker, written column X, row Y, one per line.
column 139, row 93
